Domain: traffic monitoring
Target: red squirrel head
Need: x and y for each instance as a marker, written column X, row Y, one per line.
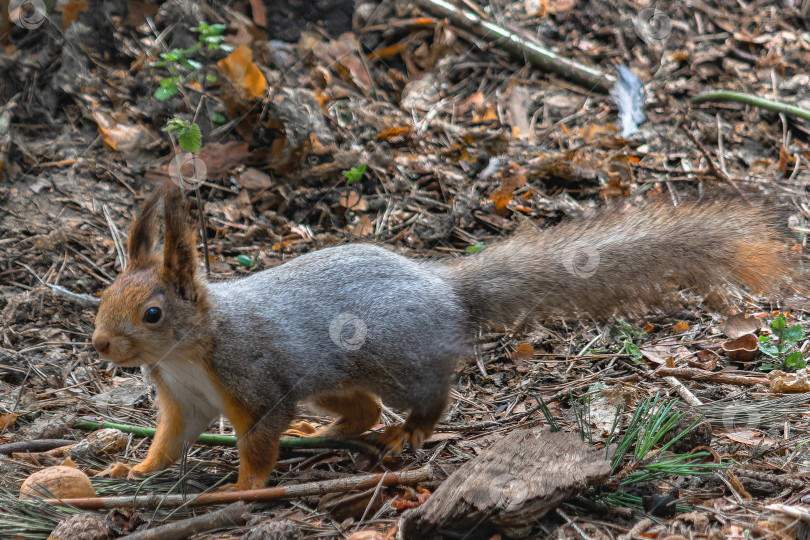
column 151, row 311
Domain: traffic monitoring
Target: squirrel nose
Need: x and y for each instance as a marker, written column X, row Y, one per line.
column 101, row 344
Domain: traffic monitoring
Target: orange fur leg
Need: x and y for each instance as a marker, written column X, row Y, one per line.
column 258, row 453
column 257, row 445
column 167, row 446
column 416, row 429
column 356, row 410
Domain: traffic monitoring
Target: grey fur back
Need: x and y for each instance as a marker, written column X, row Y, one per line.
column 355, row 314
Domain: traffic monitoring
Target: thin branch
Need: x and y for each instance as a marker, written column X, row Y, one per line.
column 230, row 440
column 236, row 514
column 695, row 374
column 749, row 99
column 265, row 494
column 522, row 46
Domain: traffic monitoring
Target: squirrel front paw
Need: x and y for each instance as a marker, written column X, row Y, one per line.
column 116, row 470
column 240, row 485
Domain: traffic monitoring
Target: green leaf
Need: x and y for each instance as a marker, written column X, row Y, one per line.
column 769, row 367
column 190, row 139
column 245, row 261
column 476, row 248
column 355, row 173
column 795, row 360
column 210, row 77
column 793, row 334
column 778, row 324
column 770, row 349
column 165, row 92
column 633, row 350
column 176, row 125
column 191, row 64
column 218, row 118
column 172, row 56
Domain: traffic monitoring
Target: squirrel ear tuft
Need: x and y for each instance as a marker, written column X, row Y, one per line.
column 179, row 246
column 141, row 241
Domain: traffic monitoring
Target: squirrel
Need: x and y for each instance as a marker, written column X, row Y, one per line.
column 349, row 326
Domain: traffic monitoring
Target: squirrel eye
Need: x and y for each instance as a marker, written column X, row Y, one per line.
column 152, row 315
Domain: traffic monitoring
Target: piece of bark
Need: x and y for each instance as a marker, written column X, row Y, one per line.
column 509, row 486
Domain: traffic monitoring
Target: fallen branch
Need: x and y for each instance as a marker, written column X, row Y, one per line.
column 749, row 99
column 264, row 494
column 39, row 445
column 695, row 374
column 236, row 514
column 230, row 440
column 522, row 46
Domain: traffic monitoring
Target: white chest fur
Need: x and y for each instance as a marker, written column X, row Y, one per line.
column 191, row 387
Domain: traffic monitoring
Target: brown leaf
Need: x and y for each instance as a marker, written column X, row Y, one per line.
column 70, row 11
column 705, row 359
column 364, row 227
column 660, row 352
column 511, row 179
column 119, row 136
column 743, row 349
column 254, row 180
column 522, row 356
column 259, row 13
column 739, row 324
column 220, row 158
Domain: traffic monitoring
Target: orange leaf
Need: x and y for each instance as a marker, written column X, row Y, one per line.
column 239, row 69
column 510, row 181
column 7, row 420
column 386, row 53
column 392, row 132
column 680, row 327
column 411, row 500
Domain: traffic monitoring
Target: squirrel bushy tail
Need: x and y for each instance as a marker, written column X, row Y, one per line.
column 623, row 261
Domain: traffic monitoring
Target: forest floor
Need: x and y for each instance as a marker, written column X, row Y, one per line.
column 416, row 131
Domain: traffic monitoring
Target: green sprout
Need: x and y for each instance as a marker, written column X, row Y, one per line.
column 188, row 133
column 355, row 173
column 180, row 64
column 628, row 337
column 779, row 343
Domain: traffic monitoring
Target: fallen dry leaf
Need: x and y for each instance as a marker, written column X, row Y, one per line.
column 743, row 349
column 242, row 73
column 740, row 324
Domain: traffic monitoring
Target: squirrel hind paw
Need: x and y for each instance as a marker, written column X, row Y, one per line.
column 116, row 470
